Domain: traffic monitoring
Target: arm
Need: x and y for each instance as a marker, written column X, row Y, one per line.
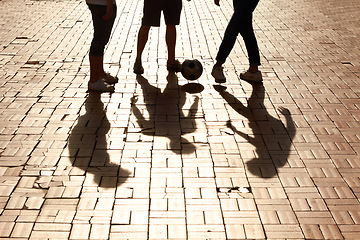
column 109, row 10
column 290, row 126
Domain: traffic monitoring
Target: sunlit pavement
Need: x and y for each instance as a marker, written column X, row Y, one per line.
column 167, row 158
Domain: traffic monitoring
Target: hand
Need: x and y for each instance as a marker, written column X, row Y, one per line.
column 217, row 2
column 284, row 111
column 134, row 99
column 109, row 13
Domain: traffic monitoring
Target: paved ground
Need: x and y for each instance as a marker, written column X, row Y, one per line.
column 160, row 158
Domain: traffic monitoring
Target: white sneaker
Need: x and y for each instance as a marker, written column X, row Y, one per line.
column 253, row 77
column 110, row 79
column 100, row 86
column 218, row 73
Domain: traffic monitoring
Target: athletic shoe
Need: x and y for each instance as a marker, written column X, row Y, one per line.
column 174, row 66
column 100, row 86
column 138, row 68
column 252, row 77
column 110, row 79
column 218, row 73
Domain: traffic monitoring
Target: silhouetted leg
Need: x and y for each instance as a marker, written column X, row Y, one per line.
column 171, row 42
column 142, row 40
column 240, row 22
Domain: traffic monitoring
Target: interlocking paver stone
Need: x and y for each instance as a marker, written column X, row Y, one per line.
column 179, row 163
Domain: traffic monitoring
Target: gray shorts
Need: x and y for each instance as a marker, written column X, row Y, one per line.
column 153, row 9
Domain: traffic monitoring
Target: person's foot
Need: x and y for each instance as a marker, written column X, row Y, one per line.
column 138, row 68
column 252, row 77
column 218, row 73
column 174, row 66
column 110, row 79
column 100, row 86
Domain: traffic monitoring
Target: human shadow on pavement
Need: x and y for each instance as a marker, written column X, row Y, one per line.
column 271, row 139
column 88, row 147
column 165, row 116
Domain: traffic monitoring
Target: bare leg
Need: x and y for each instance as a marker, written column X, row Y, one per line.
column 218, row 64
column 142, row 40
column 253, row 68
column 96, row 68
column 171, row 42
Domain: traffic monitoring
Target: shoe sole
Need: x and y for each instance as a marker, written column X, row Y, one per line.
column 250, row 80
column 110, row 82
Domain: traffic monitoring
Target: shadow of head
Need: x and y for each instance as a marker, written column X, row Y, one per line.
column 264, row 171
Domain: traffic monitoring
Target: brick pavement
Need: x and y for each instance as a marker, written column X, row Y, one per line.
column 152, row 161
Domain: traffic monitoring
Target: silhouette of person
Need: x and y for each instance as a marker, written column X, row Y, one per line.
column 151, row 18
column 164, row 109
column 270, row 133
column 103, row 14
column 88, row 145
column 240, row 22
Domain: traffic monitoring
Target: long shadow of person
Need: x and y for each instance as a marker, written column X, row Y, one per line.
column 271, row 139
column 165, row 111
column 88, row 147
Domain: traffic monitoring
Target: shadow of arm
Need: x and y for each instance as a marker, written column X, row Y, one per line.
column 194, row 107
column 231, row 126
column 139, row 116
column 290, row 126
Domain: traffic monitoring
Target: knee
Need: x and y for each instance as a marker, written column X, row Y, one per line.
column 246, row 30
column 144, row 28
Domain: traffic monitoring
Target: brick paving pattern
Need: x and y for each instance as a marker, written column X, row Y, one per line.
column 162, row 159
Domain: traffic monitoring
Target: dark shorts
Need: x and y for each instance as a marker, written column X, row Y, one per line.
column 153, row 9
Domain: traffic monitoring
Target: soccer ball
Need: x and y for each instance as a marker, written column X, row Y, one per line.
column 191, row 69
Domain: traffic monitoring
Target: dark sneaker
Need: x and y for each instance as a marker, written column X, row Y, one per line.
column 252, row 77
column 174, row 66
column 218, row 73
column 138, row 68
column 110, row 79
column 100, row 86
